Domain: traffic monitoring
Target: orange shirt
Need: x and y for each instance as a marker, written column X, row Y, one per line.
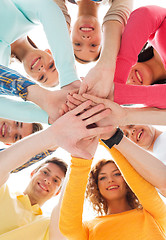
column 148, row 223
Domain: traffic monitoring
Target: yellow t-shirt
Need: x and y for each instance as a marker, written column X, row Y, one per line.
column 149, row 223
column 19, row 220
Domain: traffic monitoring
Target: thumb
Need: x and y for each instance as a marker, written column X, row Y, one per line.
column 83, row 88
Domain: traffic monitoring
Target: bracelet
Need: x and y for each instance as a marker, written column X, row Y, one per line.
column 115, row 139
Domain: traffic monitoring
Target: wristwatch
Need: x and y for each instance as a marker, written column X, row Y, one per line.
column 115, row 139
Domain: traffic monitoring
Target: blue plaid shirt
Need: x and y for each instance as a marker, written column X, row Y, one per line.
column 13, row 83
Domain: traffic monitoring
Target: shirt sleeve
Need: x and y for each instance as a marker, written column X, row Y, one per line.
column 48, row 13
column 12, row 83
column 151, row 96
column 119, row 11
column 33, row 160
column 70, row 223
column 63, row 7
column 142, row 25
column 21, row 111
column 145, row 192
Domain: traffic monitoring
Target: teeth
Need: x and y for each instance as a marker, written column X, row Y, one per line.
column 139, row 135
column 3, row 130
column 35, row 63
column 138, row 76
column 86, row 29
column 43, row 187
column 112, row 187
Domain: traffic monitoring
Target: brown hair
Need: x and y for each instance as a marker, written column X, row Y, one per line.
column 99, row 204
column 59, row 162
column 36, row 127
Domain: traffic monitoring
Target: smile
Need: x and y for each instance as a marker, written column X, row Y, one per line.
column 138, row 77
column 43, row 187
column 35, row 62
column 113, row 187
column 86, row 29
column 139, row 135
column 3, row 130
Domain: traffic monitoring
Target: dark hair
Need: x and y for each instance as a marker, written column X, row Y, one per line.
column 146, row 53
column 160, row 81
column 99, row 204
column 59, row 162
column 36, row 127
column 86, row 61
column 31, row 42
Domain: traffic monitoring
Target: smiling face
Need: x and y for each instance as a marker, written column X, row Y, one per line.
column 40, row 66
column 86, row 38
column 45, row 183
column 140, row 74
column 142, row 135
column 111, row 184
column 12, row 131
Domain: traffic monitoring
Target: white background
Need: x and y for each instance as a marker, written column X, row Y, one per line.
column 19, row 181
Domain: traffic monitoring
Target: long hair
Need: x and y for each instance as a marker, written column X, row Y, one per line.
column 93, row 194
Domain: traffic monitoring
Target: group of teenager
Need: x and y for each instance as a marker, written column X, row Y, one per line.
column 130, row 53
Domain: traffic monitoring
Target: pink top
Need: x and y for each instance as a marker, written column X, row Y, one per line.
column 145, row 23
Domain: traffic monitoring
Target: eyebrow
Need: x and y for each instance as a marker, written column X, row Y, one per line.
column 55, row 176
column 112, row 171
column 77, row 50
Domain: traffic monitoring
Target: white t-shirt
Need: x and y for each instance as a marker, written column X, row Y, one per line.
column 159, row 148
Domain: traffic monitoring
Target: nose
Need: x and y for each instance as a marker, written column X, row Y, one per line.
column 110, row 179
column 47, row 180
column 86, row 37
column 41, row 68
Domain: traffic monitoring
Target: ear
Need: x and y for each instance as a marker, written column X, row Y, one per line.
column 48, row 51
column 58, row 191
column 33, row 172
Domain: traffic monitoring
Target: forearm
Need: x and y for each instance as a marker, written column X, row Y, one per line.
column 145, row 116
column 72, row 205
column 148, row 166
column 33, row 160
column 15, row 155
column 21, row 111
column 112, row 31
column 152, row 95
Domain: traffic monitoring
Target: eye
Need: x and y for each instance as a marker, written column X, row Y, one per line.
column 117, row 174
column 127, row 135
column 55, row 180
column 17, row 124
column 77, row 44
column 93, row 45
column 52, row 65
column 15, row 137
column 45, row 172
column 102, row 178
column 41, row 78
column 131, row 126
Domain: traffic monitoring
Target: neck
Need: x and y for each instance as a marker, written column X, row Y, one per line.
column 157, row 134
column 118, row 206
column 87, row 7
column 32, row 199
column 20, row 48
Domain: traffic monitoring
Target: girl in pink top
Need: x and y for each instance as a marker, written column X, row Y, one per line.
column 145, row 23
